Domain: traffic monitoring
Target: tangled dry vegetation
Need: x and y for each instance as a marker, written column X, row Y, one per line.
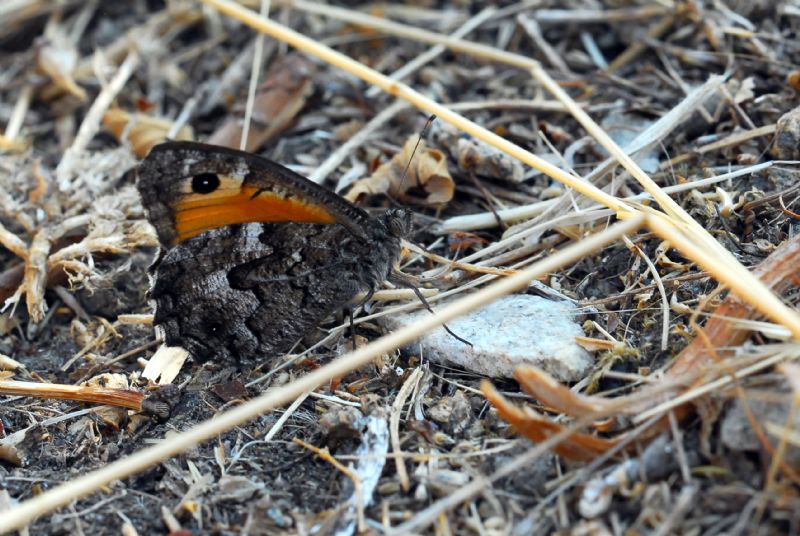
column 677, row 252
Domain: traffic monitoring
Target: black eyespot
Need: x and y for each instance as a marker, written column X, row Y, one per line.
column 205, row 183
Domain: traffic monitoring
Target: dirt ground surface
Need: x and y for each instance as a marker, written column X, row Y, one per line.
column 76, row 250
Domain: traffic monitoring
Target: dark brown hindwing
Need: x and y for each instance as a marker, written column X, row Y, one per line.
column 246, row 293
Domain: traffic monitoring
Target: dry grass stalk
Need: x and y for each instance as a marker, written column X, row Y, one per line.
column 420, row 101
column 727, row 141
column 13, row 243
column 258, row 52
column 685, row 232
column 10, row 140
column 636, row 250
column 694, row 366
column 429, row 55
column 35, row 276
column 325, row 454
column 394, row 424
column 355, row 141
column 124, row 398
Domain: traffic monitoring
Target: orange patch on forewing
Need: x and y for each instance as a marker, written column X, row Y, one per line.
column 197, row 213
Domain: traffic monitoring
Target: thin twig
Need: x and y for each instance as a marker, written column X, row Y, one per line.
column 326, row 455
column 394, row 425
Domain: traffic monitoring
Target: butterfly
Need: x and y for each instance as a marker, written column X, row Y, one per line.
column 253, row 255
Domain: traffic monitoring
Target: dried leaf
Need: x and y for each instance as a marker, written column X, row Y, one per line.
column 535, row 427
column 10, row 454
column 228, row 391
column 590, row 344
column 427, row 170
column 111, row 416
column 142, row 131
column 13, row 243
column 288, row 84
column 6, row 363
column 165, row 364
column 557, row 396
column 483, row 159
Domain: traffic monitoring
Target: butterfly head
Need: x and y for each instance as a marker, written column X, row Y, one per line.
column 398, row 222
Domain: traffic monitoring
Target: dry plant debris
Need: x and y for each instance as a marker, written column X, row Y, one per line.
column 685, row 423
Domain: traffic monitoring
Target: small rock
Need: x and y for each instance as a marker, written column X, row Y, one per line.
column 237, row 488
column 625, row 128
column 454, row 413
column 513, row 331
column 445, row 481
column 786, row 145
column 340, row 424
column 738, row 434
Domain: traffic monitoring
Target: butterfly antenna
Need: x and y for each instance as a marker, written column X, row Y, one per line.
column 352, row 329
column 404, row 280
column 428, row 123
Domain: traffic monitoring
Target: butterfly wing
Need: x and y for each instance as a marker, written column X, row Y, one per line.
column 189, row 188
column 245, row 293
column 230, row 290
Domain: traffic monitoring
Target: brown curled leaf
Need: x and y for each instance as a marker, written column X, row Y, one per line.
column 485, row 160
column 558, row 396
column 579, row 446
column 427, row 171
column 144, row 132
column 278, row 99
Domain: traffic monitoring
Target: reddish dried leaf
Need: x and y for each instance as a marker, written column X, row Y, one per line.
column 579, row 446
column 278, row 99
column 550, row 392
column 229, row 391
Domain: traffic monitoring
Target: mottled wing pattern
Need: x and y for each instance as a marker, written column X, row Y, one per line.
column 246, row 293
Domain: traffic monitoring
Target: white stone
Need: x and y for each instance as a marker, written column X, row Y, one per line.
column 513, row 331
